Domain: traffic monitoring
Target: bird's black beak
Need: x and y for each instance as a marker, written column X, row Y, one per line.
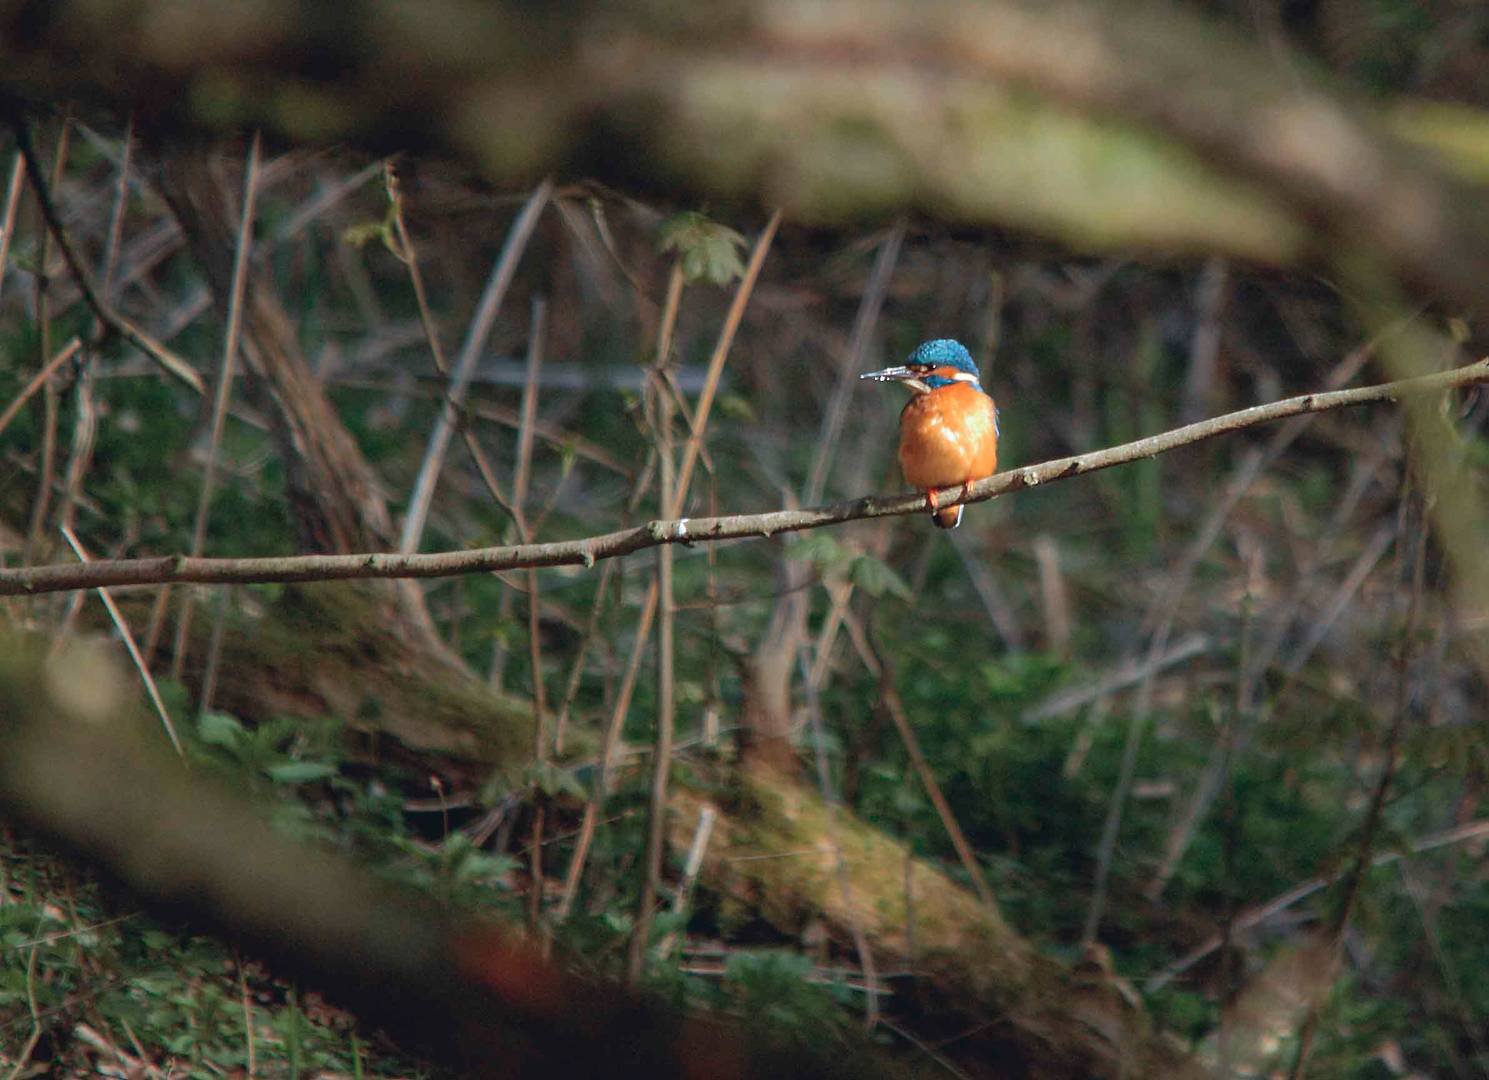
column 891, row 374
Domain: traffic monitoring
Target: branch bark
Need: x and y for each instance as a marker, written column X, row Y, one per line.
column 588, row 550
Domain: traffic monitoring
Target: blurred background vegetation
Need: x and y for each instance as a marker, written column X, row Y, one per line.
column 1212, row 723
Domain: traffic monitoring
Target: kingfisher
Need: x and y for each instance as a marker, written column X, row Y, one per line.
column 948, row 428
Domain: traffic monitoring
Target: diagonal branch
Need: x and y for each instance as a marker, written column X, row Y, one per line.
column 111, row 319
column 588, row 550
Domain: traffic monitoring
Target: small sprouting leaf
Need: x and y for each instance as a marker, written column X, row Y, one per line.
column 708, row 250
column 820, row 549
column 299, row 772
column 360, row 234
column 220, row 729
column 876, row 577
column 737, row 407
column 553, row 780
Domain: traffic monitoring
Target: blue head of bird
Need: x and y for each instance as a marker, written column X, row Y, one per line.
column 931, row 366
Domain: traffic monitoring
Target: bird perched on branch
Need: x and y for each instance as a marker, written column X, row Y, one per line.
column 949, row 428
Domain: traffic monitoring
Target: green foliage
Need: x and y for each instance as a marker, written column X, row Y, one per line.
column 708, row 250
column 138, row 982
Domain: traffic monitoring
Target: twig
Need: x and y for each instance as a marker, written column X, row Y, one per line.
column 1204, row 346
column 516, row 506
column 1254, row 916
column 649, row 604
column 839, row 865
column 66, row 353
column 115, row 322
column 853, row 361
column 84, row 434
column 690, row 870
column 251, row 1064
column 50, row 405
column 465, row 365
column 522, row 475
column 1129, row 672
column 116, row 215
column 1054, row 600
column 656, row 835
column 576, row 669
column 994, row 600
column 136, row 1066
column 134, row 652
column 214, row 652
column 409, row 256
column 891, row 700
column 675, row 281
column 8, row 216
column 1401, row 712
column 602, row 767
column 716, row 361
column 588, row 550
column 24, row 1058
column 534, row 638
column 237, row 291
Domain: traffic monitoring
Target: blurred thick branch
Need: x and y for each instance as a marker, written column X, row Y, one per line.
column 78, row 764
column 1099, row 123
column 588, row 550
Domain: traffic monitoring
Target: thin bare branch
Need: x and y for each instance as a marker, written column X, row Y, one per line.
column 656, row 835
column 66, row 353
column 1128, row 672
column 224, row 389
column 134, row 651
column 409, row 255
column 716, row 361
column 8, row 216
column 853, row 362
column 675, row 281
column 588, row 550
column 890, row 696
column 115, row 322
column 678, row 502
column 51, row 403
column 840, row 870
column 1255, row 916
column 465, row 365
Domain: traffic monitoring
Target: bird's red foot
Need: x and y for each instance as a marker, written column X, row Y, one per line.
column 932, row 501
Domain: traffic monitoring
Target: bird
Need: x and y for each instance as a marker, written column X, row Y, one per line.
column 948, row 428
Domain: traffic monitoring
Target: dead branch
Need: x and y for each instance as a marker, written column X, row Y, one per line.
column 589, row 550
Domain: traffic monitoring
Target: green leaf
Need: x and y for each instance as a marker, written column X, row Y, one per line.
column 299, row 772
column 875, row 577
column 707, row 250
column 360, row 234
column 820, row 549
column 220, row 729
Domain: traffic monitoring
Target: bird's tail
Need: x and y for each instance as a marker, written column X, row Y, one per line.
column 948, row 518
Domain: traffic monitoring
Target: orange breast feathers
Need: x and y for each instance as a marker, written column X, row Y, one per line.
column 948, row 436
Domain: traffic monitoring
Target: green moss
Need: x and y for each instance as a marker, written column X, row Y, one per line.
column 338, row 650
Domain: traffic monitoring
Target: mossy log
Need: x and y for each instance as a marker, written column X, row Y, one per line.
column 1029, row 1015
column 327, row 651
column 339, row 651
